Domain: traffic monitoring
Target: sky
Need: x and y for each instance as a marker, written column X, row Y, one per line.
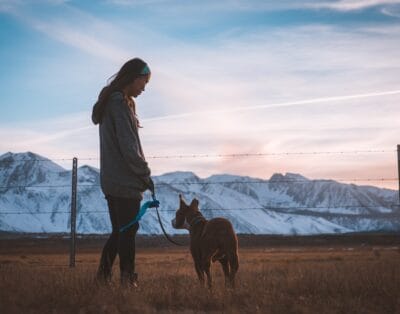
column 294, row 82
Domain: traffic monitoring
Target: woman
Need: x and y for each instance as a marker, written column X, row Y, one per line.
column 124, row 173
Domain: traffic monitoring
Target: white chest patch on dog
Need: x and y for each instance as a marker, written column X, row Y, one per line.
column 184, row 226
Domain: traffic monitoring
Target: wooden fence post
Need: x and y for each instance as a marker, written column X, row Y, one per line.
column 398, row 168
column 73, row 211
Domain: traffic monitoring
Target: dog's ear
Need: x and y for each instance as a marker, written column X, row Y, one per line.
column 194, row 204
column 181, row 200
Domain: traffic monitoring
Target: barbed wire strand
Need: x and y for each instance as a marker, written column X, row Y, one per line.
column 37, row 159
column 310, row 181
column 270, row 154
column 240, row 155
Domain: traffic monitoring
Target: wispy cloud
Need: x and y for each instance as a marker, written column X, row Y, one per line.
column 61, row 138
column 329, row 99
column 72, row 27
column 84, row 42
column 393, row 11
column 350, row 5
column 253, row 5
column 294, row 88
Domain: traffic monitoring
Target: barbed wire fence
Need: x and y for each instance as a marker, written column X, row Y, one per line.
column 74, row 185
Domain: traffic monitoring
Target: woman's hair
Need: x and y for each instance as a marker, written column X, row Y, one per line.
column 131, row 70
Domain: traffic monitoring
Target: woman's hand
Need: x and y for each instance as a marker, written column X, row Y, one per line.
column 149, row 184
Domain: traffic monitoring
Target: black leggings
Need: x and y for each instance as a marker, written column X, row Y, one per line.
column 122, row 211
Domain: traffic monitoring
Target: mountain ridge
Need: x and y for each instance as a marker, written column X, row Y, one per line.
column 39, row 191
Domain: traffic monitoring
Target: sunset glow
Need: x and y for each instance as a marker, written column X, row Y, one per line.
column 279, row 79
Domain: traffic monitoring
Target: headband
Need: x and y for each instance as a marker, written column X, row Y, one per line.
column 145, row 70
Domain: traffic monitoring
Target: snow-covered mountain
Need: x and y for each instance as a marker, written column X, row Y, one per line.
column 35, row 196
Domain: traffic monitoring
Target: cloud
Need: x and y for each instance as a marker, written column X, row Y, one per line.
column 8, row 6
column 282, row 89
column 199, row 9
column 281, row 68
column 393, row 11
column 350, row 5
column 14, row 6
column 329, row 99
column 71, row 26
column 62, row 138
column 76, row 38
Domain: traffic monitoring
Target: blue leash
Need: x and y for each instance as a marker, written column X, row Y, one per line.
column 142, row 211
column 149, row 204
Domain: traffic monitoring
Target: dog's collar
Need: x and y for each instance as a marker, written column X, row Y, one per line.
column 196, row 220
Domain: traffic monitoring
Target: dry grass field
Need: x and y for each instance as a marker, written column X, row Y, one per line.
column 277, row 277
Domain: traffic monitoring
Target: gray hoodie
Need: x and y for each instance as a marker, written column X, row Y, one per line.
column 123, row 169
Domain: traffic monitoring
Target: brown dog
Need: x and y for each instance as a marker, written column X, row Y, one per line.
column 210, row 240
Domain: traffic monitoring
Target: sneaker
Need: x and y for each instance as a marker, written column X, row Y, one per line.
column 129, row 280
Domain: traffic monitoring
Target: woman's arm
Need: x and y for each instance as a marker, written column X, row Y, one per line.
column 127, row 137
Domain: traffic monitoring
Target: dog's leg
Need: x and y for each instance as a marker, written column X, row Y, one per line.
column 225, row 268
column 207, row 269
column 199, row 271
column 234, row 266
